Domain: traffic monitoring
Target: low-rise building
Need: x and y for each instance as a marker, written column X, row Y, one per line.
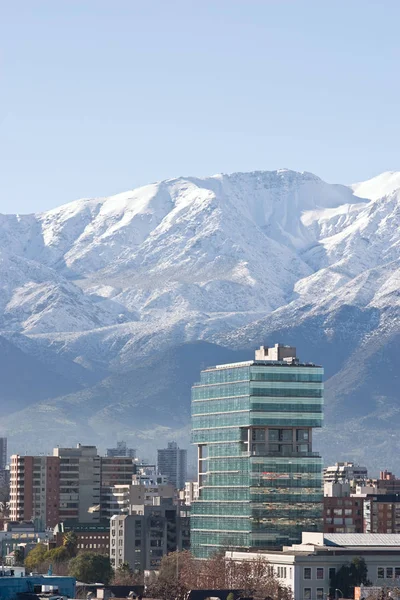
column 11, row 587
column 307, row 568
column 91, row 537
column 142, row 538
column 343, row 513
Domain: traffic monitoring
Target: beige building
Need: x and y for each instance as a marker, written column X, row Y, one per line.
column 307, row 568
column 79, row 484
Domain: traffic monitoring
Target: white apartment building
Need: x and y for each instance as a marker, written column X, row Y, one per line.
column 306, row 568
column 345, row 471
column 191, row 492
column 121, row 498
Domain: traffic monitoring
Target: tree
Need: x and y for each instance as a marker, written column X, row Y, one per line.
column 90, row 567
column 349, row 576
column 36, row 557
column 176, row 577
column 58, row 555
column 124, row 575
column 70, row 542
column 19, row 556
column 179, row 573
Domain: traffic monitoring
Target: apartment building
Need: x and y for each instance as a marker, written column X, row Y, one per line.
column 191, row 492
column 381, row 513
column 121, row 498
column 343, row 512
column 121, row 450
column 172, row 462
column 142, row 538
column 345, row 471
column 79, row 494
column 35, row 490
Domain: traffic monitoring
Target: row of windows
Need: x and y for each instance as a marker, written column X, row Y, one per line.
column 287, row 392
column 319, row 572
column 285, row 376
column 388, row 572
column 288, row 419
column 225, row 375
column 311, row 419
column 223, row 494
column 261, row 373
column 280, row 468
column 287, row 406
column 221, row 391
column 225, row 405
column 307, row 594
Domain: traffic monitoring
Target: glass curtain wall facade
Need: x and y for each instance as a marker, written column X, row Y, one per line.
column 260, row 483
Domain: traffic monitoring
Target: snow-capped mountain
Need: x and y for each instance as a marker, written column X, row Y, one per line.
column 112, row 286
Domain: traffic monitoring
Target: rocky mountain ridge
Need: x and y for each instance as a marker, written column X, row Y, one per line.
column 100, row 291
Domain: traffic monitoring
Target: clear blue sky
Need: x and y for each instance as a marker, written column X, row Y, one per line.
column 101, row 96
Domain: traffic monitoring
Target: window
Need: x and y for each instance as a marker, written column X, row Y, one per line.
column 320, row 593
column 302, row 435
column 397, row 572
column 302, row 448
column 332, row 572
column 307, row 572
column 389, row 572
column 381, row 573
column 281, row 572
column 307, row 594
column 320, row 572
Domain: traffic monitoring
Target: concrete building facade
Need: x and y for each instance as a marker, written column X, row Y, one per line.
column 142, row 538
column 3, row 453
column 121, row 498
column 260, row 482
column 307, row 568
column 79, row 484
column 121, row 450
column 345, row 471
column 172, row 462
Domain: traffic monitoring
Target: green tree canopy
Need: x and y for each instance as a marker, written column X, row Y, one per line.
column 57, row 555
column 36, row 557
column 90, row 567
column 349, row 576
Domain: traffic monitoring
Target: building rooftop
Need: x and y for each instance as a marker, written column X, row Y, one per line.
column 267, row 363
column 361, row 539
column 317, row 541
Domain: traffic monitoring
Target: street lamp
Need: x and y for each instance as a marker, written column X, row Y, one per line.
column 337, row 590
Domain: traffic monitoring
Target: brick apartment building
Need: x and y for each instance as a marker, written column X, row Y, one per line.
column 35, row 489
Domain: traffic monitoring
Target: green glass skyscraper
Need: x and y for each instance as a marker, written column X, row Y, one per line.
column 260, row 482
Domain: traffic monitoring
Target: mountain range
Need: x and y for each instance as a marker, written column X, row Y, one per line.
column 109, row 307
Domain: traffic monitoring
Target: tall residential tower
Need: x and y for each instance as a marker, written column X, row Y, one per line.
column 260, row 483
column 172, row 462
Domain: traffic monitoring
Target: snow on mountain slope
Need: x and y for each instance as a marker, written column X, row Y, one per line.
column 207, row 254
column 379, row 186
column 229, row 259
column 219, row 245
